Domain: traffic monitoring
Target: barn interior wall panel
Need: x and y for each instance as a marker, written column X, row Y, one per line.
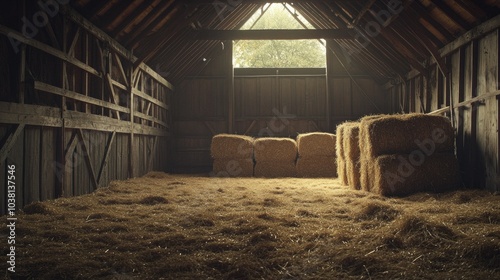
column 473, row 73
column 77, row 110
column 267, row 102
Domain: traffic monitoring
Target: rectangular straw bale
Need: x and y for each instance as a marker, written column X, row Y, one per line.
column 317, row 167
column 316, row 144
column 402, row 134
column 275, row 149
column 230, row 146
column 403, row 174
column 352, row 153
column 366, row 165
column 340, row 153
column 233, row 167
column 275, row 169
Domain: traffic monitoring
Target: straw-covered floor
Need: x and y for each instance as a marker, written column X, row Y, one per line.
column 196, row 227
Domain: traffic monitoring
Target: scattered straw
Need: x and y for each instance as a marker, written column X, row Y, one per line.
column 252, row 228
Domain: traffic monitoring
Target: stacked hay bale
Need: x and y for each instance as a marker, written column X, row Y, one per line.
column 275, row 157
column 233, row 155
column 409, row 153
column 366, row 168
column 340, row 154
column 316, row 155
column 352, row 153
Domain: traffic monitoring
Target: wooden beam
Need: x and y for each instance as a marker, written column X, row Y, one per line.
column 120, row 67
column 79, row 97
column 229, row 71
column 113, row 94
column 152, row 154
column 46, row 48
column 272, row 34
column 149, row 98
column 479, row 98
column 106, row 157
column 368, row 5
column 88, row 161
column 9, row 143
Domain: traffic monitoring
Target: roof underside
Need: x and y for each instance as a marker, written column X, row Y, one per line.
column 160, row 32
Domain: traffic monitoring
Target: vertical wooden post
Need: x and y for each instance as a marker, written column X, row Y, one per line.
column 131, row 159
column 61, row 180
column 327, row 88
column 229, row 84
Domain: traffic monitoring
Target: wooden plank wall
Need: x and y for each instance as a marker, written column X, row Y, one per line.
column 474, row 71
column 76, row 110
column 268, row 102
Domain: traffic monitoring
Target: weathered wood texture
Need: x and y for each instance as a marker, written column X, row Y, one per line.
column 471, row 89
column 268, row 102
column 76, row 110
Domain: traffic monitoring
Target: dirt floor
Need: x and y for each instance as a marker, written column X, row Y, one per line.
column 195, row 227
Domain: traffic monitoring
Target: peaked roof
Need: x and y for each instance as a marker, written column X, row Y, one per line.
column 160, row 31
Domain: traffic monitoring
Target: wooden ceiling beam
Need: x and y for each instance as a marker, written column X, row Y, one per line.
column 464, row 25
column 368, row 5
column 272, row 34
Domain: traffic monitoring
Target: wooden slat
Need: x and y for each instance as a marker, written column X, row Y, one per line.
column 106, row 157
column 479, row 98
column 149, row 98
column 120, row 67
column 9, row 143
column 155, row 76
column 48, row 49
column 270, row 34
column 80, row 97
column 150, row 118
column 88, row 161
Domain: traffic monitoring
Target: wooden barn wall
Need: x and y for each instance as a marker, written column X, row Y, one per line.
column 76, row 109
column 471, row 89
column 267, row 102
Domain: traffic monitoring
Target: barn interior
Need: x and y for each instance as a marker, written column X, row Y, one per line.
column 108, row 110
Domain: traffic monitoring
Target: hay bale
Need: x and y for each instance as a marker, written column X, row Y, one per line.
column 365, row 161
column 316, row 167
column 229, row 146
column 340, row 153
column 402, row 134
column 275, row 169
column 403, row 174
column 233, row 167
column 316, row 144
column 352, row 153
column 275, row 149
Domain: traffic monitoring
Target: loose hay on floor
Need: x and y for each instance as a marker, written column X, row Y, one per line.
column 231, row 146
column 200, row 227
column 316, row 144
column 316, row 167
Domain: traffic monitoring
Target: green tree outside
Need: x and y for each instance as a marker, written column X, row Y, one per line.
column 278, row 53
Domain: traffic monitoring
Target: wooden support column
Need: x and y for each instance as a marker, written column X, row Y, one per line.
column 131, row 158
column 327, row 85
column 61, row 181
column 228, row 46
